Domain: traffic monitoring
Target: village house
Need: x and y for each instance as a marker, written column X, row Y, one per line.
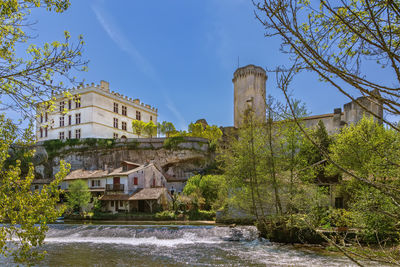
column 91, row 111
column 131, row 187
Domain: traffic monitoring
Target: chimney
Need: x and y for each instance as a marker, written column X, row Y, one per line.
column 105, row 85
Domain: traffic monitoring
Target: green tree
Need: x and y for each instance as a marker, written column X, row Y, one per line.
column 205, row 186
column 167, row 128
column 28, row 78
column 337, row 40
column 138, row 127
column 26, row 212
column 150, row 129
column 195, row 129
column 78, row 195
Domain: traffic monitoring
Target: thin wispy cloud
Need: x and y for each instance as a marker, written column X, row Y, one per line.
column 108, row 24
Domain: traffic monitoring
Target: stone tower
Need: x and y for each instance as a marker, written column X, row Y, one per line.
column 249, row 92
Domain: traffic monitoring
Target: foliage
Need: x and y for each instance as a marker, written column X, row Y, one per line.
column 78, row 195
column 337, row 40
column 372, row 153
column 166, row 128
column 150, row 129
column 165, row 215
column 173, row 142
column 28, row 78
column 26, row 212
column 138, row 127
column 207, row 187
column 202, row 215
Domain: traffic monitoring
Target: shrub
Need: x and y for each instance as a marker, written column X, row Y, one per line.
column 165, row 215
column 173, row 142
column 202, row 215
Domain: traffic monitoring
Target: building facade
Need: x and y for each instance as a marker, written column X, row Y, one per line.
column 92, row 111
column 250, row 93
column 131, row 187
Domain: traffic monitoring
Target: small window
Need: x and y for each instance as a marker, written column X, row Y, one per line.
column 135, row 181
column 116, row 107
column 61, row 121
column 151, row 118
column 61, row 135
column 45, row 117
column 339, row 202
column 77, row 102
column 115, row 123
column 123, row 125
column 70, row 104
column 41, row 132
column 69, row 134
column 45, row 132
column 62, row 106
column 69, row 119
column 77, row 118
column 41, row 118
column 124, row 111
column 115, row 135
column 78, row 133
column 138, row 115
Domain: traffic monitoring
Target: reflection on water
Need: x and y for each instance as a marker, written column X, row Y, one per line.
column 155, row 245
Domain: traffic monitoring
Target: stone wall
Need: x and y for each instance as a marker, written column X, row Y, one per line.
column 185, row 158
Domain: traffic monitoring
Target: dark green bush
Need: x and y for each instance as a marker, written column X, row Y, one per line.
column 165, row 215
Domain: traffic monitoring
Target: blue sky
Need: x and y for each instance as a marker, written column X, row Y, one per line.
column 178, row 55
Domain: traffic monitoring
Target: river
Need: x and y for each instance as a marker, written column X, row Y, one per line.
column 171, row 245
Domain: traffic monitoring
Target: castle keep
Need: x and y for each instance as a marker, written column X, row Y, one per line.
column 250, row 92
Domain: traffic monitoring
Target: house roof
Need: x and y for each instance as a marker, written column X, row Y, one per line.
column 143, row 194
column 149, row 193
column 171, row 178
column 115, row 197
column 130, row 163
column 85, row 174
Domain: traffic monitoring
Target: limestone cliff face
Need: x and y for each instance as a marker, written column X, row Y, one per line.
column 180, row 158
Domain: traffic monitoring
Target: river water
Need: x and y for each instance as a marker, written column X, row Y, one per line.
column 166, row 245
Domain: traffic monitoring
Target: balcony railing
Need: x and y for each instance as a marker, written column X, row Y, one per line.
column 114, row 187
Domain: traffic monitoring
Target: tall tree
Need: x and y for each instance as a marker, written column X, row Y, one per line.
column 138, row 127
column 26, row 79
column 340, row 40
column 78, row 195
column 150, row 129
column 167, row 128
column 26, row 212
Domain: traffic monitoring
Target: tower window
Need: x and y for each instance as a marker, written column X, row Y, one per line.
column 138, row 115
column 115, row 123
column 123, row 125
column 116, row 107
column 124, row 111
column 61, row 135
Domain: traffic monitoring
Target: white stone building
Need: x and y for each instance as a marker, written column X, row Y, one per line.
column 92, row 111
